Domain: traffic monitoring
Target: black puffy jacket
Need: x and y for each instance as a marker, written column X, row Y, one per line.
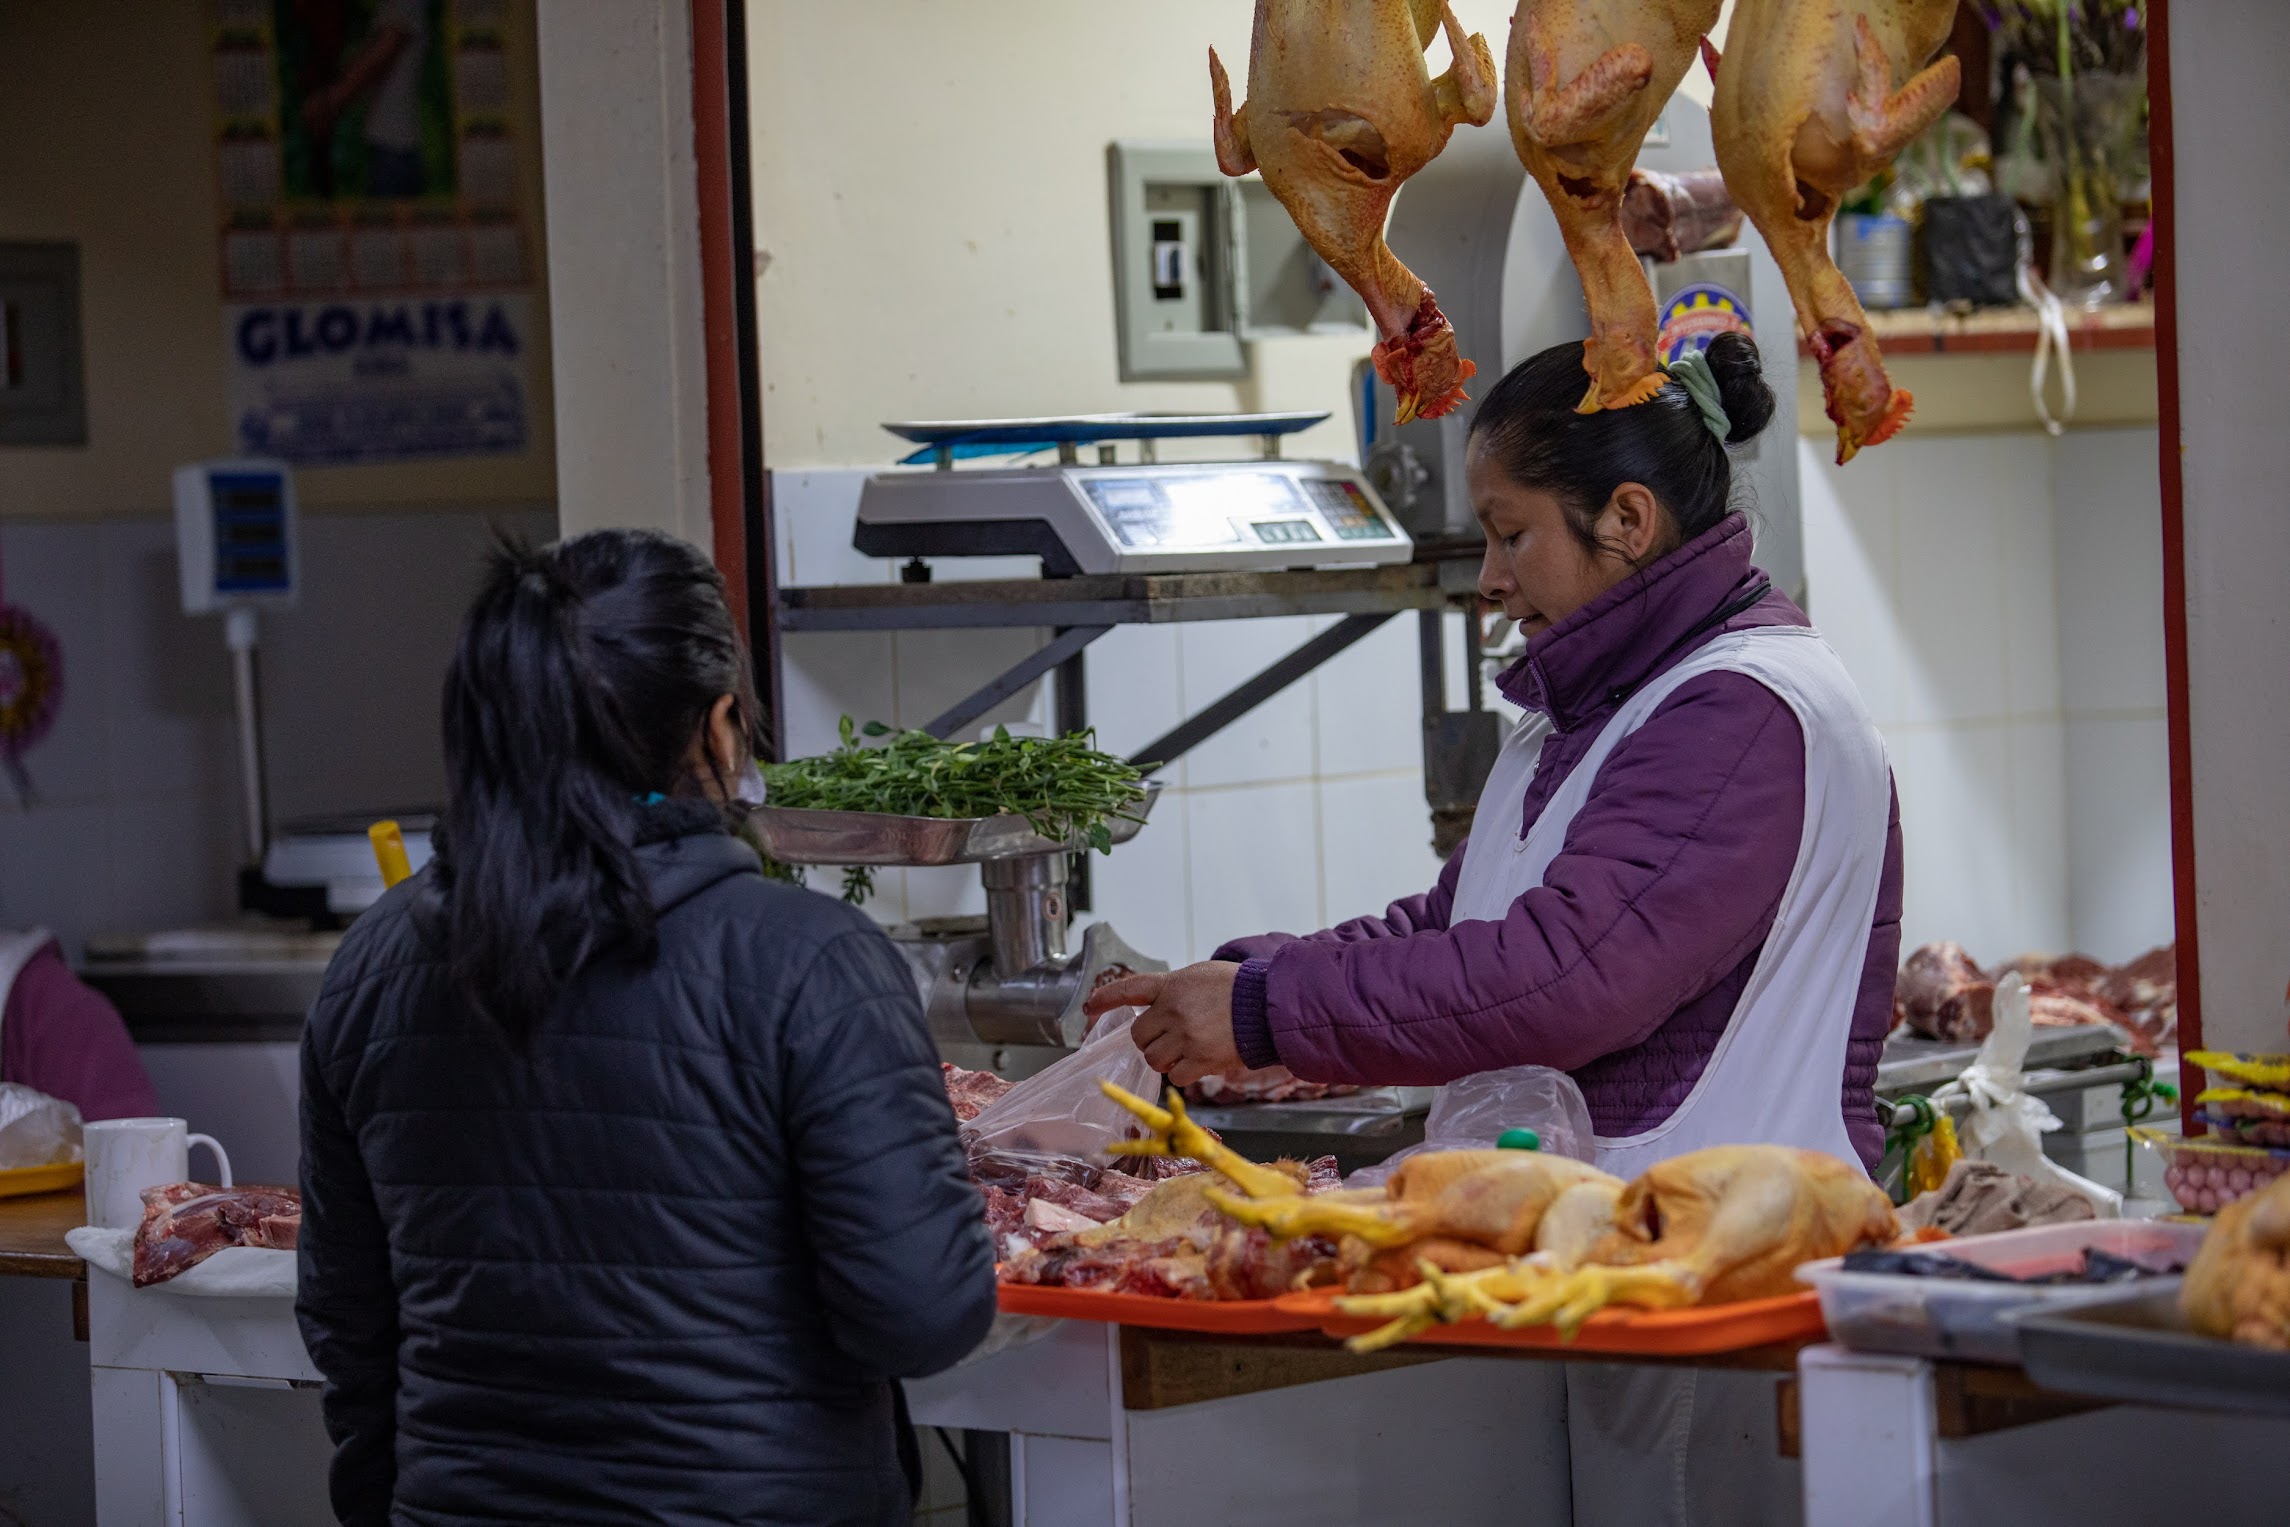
column 663, row 1265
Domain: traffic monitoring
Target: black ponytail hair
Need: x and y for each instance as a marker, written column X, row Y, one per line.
column 585, row 671
column 1528, row 425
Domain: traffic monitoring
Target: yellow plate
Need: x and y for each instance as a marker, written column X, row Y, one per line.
column 18, row 1181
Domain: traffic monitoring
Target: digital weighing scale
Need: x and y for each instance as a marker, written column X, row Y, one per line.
column 1145, row 516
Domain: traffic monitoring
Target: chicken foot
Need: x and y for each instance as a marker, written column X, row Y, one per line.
column 1175, row 1134
column 1445, row 1298
column 1572, row 1298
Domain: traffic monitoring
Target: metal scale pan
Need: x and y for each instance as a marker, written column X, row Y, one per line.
column 795, row 835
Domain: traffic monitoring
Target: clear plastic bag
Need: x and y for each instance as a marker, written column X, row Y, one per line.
column 35, row 1129
column 2007, row 1124
column 1473, row 1113
column 1062, row 1111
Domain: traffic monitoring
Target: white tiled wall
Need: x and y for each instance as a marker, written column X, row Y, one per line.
column 136, row 823
column 1306, row 811
column 1999, row 599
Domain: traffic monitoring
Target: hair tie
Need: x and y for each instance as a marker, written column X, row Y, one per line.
column 1692, row 372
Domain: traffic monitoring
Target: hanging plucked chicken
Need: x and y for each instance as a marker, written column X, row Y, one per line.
column 1813, row 98
column 1340, row 112
column 1584, row 81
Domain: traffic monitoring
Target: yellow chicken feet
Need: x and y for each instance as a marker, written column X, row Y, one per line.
column 1444, row 1298
column 1176, row 1135
column 1290, row 1216
column 1569, row 1299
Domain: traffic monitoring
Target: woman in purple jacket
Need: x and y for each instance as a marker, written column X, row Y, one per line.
column 1682, row 885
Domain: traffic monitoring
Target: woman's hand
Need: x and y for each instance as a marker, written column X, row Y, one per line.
column 1186, row 1028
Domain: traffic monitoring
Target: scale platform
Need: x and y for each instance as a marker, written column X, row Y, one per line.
column 1145, row 516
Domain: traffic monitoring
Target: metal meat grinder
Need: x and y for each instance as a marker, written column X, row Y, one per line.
column 1008, row 979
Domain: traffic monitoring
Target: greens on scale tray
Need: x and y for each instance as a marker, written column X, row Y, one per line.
column 1063, row 786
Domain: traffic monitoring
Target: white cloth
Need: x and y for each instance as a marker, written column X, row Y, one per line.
column 1775, row 1076
column 235, row 1272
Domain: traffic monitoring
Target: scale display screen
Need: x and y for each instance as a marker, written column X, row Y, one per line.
column 250, row 533
column 1210, row 509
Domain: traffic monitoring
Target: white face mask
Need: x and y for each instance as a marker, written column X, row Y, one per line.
column 749, row 787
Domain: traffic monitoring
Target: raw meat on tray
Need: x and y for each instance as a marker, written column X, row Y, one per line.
column 184, row 1223
column 971, row 1091
column 1943, row 994
column 1271, row 1084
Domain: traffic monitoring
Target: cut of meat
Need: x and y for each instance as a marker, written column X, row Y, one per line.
column 971, row 1091
column 1667, row 216
column 184, row 1223
column 1942, row 994
column 1272, row 1084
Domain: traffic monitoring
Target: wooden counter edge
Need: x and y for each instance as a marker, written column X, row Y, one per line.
column 32, row 1234
column 1162, row 1368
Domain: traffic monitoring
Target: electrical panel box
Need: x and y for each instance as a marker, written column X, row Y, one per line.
column 238, row 541
column 41, row 397
column 1284, row 285
column 1175, row 248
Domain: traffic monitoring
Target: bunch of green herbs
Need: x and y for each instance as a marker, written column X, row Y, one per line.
column 1063, row 786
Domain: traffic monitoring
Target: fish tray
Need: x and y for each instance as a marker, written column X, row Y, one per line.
column 795, row 835
column 1233, row 1317
column 1732, row 1327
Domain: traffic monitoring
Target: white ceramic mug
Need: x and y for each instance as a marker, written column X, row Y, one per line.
column 125, row 1156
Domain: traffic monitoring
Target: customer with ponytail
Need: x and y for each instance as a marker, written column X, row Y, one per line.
column 630, row 1184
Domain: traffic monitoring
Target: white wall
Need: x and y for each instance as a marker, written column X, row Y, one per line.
column 137, row 822
column 624, row 262
column 107, row 140
column 1998, row 597
column 2230, row 119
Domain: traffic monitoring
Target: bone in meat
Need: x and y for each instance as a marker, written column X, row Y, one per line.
column 184, row 1223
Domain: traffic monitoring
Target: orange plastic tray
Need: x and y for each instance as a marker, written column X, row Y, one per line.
column 1237, row 1317
column 1641, row 1333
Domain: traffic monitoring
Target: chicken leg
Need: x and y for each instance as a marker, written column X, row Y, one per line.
column 1174, row 1134
column 1340, row 112
column 1812, row 98
column 1585, row 80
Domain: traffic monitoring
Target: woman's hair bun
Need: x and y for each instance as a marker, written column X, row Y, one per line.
column 1749, row 402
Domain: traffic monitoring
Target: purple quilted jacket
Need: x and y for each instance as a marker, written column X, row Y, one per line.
column 1624, row 965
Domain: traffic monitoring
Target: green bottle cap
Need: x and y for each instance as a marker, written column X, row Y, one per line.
column 1518, row 1140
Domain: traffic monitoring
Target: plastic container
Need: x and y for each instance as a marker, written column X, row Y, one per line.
column 1958, row 1317
column 2207, row 1174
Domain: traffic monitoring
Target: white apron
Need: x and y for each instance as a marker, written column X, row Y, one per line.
column 1649, row 1447
column 1775, row 1075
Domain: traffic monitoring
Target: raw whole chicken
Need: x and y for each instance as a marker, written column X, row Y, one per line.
column 2239, row 1285
column 1456, row 1211
column 1340, row 112
column 1712, row 1226
column 1715, row 1226
column 1584, row 80
column 1813, row 97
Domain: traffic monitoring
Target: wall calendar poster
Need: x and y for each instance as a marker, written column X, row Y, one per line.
column 376, row 259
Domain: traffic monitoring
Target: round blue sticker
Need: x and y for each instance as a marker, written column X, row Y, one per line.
column 1697, row 314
